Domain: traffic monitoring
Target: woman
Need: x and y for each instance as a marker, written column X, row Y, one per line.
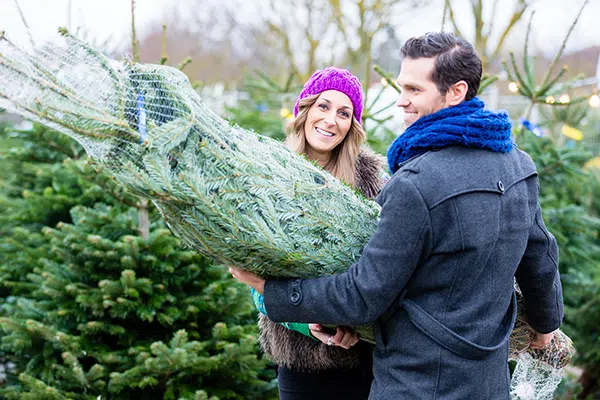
column 314, row 363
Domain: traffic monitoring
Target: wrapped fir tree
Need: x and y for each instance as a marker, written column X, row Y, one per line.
column 240, row 198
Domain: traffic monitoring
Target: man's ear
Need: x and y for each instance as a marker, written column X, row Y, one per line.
column 456, row 93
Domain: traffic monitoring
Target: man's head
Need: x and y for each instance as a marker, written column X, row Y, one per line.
column 439, row 70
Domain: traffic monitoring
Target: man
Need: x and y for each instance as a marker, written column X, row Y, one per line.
column 460, row 220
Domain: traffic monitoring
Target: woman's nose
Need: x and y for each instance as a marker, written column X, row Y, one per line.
column 330, row 118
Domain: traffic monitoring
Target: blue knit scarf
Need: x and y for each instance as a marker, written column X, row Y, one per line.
column 466, row 124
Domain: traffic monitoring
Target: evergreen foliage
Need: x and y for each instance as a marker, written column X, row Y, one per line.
column 92, row 310
column 569, row 196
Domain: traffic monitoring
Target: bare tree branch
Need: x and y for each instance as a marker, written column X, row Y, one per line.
column 135, row 44
column 25, row 23
column 480, row 38
column 445, row 12
column 287, row 46
column 516, row 17
column 143, row 219
column 491, row 23
column 453, row 19
column 482, row 35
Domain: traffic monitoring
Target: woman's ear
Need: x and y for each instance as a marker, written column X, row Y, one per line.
column 456, row 93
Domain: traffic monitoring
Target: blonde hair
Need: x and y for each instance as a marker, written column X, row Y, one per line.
column 343, row 157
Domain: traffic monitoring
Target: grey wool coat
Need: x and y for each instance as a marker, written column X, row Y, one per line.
column 457, row 226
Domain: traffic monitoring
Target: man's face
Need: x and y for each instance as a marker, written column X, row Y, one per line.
column 420, row 96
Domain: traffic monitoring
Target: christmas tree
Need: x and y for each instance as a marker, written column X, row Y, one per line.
column 92, row 308
column 242, row 199
column 568, row 196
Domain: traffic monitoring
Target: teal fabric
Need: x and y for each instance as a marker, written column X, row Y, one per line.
column 259, row 303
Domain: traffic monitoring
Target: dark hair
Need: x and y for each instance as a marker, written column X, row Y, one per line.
column 456, row 60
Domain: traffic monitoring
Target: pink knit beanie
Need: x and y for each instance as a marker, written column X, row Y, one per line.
column 333, row 78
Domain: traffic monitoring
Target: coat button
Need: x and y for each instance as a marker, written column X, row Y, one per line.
column 501, row 186
column 295, row 297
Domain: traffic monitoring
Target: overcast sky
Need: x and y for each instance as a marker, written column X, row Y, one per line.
column 106, row 19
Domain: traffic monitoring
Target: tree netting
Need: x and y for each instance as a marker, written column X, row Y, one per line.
column 240, row 198
column 537, row 373
column 237, row 197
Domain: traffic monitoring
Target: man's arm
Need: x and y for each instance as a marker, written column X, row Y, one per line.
column 259, row 303
column 539, row 280
column 369, row 287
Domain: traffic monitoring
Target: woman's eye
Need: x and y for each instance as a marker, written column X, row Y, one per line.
column 323, row 106
column 345, row 114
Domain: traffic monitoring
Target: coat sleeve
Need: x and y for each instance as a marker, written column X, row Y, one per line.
column 259, row 303
column 368, row 288
column 539, row 279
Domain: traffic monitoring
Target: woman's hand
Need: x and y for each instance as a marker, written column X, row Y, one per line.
column 344, row 336
column 541, row 340
column 249, row 279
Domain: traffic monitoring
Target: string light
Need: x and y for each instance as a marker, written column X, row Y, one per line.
column 594, row 101
column 550, row 100
column 284, row 113
column 513, row 87
column 564, row 98
column 384, row 82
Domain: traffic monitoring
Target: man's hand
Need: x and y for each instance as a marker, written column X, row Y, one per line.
column 541, row 340
column 344, row 336
column 249, row 279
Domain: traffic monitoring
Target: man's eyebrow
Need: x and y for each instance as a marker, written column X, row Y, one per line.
column 410, row 85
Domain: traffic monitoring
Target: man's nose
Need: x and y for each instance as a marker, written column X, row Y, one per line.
column 402, row 101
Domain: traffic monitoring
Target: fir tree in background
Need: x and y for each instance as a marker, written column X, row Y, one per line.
column 569, row 196
column 38, row 187
column 91, row 309
column 267, row 106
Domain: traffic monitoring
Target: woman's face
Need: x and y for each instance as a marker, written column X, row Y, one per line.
column 328, row 121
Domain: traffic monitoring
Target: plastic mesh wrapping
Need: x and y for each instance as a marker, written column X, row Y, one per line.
column 240, row 198
column 537, row 373
column 534, row 379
